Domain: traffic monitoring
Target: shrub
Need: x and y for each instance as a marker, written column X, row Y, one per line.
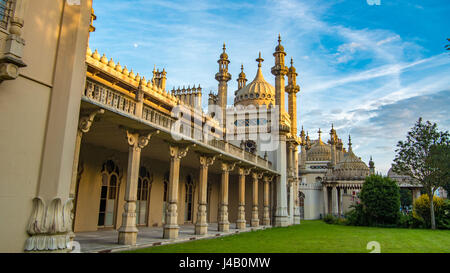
column 329, row 219
column 421, row 211
column 380, row 198
column 356, row 216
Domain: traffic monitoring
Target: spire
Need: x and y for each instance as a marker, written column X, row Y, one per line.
column 349, row 143
column 259, row 60
column 279, row 39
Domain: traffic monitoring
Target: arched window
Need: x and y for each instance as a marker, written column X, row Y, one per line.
column 108, row 194
column 301, row 204
column 143, row 196
column 189, row 199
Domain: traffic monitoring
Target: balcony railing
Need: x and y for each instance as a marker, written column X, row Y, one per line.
column 126, row 103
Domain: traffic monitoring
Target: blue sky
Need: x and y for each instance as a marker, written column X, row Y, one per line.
column 372, row 70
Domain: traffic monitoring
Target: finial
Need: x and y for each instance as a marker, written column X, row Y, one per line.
column 224, row 47
column 242, row 67
column 279, row 38
column 349, row 143
column 292, row 61
column 320, row 132
column 259, row 60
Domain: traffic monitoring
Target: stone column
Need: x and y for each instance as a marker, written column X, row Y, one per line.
column 281, row 216
column 341, row 191
column 255, row 217
column 84, row 125
column 223, row 223
column 266, row 216
column 201, row 226
column 325, row 201
column 240, row 222
column 297, row 215
column 128, row 231
column 171, row 218
column 334, row 201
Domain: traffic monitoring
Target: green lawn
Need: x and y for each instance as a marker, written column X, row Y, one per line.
column 316, row 237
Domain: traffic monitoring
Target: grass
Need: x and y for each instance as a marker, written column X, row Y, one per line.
column 316, row 237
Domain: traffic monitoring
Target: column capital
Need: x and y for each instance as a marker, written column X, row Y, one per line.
column 227, row 166
column 139, row 139
column 257, row 175
column 178, row 151
column 85, row 122
column 206, row 160
column 244, row 171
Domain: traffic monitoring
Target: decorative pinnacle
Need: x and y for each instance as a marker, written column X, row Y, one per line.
column 242, row 67
column 320, row 132
column 349, row 142
column 279, row 39
column 292, row 61
column 259, row 60
column 224, row 47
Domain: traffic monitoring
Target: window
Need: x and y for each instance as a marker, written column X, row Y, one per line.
column 143, row 196
column 189, row 199
column 108, row 194
column 301, row 204
column 250, row 146
column 6, row 10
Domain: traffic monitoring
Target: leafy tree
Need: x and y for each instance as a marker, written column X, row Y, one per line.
column 421, row 211
column 448, row 46
column 380, row 197
column 405, row 198
column 419, row 158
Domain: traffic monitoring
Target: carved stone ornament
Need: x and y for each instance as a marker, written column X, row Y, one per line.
column 50, row 227
column 86, row 121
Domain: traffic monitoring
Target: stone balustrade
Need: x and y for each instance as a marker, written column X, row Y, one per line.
column 126, row 103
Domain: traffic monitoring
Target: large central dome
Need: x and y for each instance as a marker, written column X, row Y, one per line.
column 258, row 92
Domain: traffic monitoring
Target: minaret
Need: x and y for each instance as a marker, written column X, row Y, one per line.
column 303, row 149
column 333, row 140
column 162, row 80
column 279, row 71
column 223, row 77
column 350, row 144
column 371, row 166
column 292, row 89
column 241, row 80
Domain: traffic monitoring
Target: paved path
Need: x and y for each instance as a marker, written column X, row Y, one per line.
column 106, row 240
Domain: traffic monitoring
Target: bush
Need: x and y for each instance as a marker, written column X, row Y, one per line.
column 421, row 211
column 329, row 219
column 356, row 216
column 380, row 198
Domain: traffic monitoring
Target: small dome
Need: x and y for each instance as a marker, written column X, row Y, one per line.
column 319, row 152
column 257, row 92
column 351, row 167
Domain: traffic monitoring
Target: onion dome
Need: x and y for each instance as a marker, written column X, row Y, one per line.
column 279, row 46
column 292, row 68
column 351, row 166
column 242, row 74
column 258, row 92
column 224, row 55
column 319, row 151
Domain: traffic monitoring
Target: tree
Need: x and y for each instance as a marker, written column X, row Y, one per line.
column 380, row 197
column 418, row 157
column 448, row 46
column 405, row 198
